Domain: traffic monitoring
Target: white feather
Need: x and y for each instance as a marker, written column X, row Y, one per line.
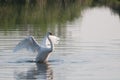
column 28, row 43
column 43, row 50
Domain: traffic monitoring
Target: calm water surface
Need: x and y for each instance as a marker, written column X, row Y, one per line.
column 89, row 50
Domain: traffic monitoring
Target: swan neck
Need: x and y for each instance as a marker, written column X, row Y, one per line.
column 51, row 44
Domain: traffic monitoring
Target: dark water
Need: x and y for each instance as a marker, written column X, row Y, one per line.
column 89, row 48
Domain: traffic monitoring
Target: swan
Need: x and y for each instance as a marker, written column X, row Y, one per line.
column 43, row 50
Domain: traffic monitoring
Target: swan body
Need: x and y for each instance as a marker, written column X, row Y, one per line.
column 43, row 50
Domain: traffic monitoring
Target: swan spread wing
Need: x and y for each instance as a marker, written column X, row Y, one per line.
column 29, row 43
column 54, row 39
column 45, row 42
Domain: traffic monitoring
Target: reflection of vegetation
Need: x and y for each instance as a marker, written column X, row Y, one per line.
column 113, row 4
column 38, row 12
column 46, row 12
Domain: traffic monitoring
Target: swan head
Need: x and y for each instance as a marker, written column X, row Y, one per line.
column 54, row 39
column 49, row 33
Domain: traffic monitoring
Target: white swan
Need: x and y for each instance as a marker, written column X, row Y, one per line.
column 43, row 50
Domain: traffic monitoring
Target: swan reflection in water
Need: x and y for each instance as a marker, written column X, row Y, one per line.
column 41, row 71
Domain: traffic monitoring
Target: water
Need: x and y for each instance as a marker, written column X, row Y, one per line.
column 89, row 49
